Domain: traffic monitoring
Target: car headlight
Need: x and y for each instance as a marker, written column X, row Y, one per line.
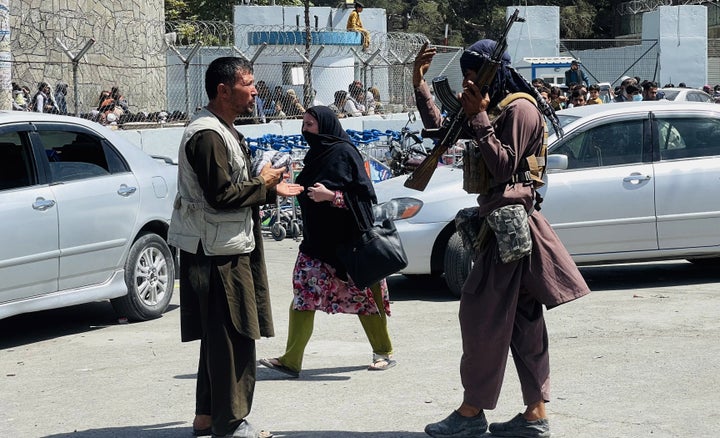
column 398, row 208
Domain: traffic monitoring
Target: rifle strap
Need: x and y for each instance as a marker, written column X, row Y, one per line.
column 535, row 163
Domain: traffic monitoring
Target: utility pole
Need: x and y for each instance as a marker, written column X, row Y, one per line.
column 5, row 57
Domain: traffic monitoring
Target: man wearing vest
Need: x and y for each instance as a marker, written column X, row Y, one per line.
column 224, row 296
column 501, row 307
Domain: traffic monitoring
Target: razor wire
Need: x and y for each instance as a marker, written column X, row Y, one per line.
column 134, row 54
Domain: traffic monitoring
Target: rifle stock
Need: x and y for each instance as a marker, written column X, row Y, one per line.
column 452, row 127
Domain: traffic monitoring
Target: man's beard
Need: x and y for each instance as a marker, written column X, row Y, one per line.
column 248, row 110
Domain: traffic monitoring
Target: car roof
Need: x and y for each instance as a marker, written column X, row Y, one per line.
column 680, row 89
column 583, row 114
column 32, row 116
column 587, row 110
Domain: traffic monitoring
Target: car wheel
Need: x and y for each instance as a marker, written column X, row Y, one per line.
column 457, row 264
column 150, row 279
column 278, row 231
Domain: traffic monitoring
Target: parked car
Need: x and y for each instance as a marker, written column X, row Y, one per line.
column 686, row 94
column 84, row 218
column 626, row 183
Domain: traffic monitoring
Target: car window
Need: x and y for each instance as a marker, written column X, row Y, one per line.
column 78, row 155
column 670, row 94
column 688, row 137
column 16, row 163
column 611, row 144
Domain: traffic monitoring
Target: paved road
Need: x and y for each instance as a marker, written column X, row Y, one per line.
column 637, row 358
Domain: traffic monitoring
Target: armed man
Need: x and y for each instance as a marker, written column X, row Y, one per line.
column 520, row 265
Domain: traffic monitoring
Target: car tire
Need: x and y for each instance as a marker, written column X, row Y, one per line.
column 457, row 264
column 278, row 231
column 150, row 279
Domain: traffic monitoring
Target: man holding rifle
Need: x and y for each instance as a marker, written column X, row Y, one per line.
column 501, row 303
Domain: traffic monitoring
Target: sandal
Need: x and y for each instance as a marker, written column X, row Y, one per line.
column 381, row 363
column 268, row 363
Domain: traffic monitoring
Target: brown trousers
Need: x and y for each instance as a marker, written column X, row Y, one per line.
column 226, row 369
column 491, row 322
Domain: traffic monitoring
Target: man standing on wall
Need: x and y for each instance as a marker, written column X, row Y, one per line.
column 574, row 75
column 355, row 24
column 224, row 296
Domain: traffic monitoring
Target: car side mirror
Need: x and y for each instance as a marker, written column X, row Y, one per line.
column 557, row 162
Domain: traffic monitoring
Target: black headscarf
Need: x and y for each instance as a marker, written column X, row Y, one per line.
column 507, row 79
column 336, row 163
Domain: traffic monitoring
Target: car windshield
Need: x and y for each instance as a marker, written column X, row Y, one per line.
column 565, row 119
column 671, row 94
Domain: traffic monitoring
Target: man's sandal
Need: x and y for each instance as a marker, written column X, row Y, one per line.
column 381, row 363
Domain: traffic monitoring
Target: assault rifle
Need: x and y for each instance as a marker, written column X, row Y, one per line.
column 449, row 132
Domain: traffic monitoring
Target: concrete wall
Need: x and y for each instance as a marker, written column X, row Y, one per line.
column 682, row 35
column 538, row 36
column 679, row 56
column 166, row 141
column 128, row 49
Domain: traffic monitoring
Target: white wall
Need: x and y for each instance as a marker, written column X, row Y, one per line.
column 538, row 36
column 682, row 35
column 166, row 141
column 329, row 73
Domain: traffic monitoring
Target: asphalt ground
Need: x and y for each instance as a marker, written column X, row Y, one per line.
column 636, row 358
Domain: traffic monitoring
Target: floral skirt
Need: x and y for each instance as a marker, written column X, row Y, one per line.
column 316, row 287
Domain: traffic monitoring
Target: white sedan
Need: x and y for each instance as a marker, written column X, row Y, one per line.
column 626, row 183
column 686, row 95
column 84, row 218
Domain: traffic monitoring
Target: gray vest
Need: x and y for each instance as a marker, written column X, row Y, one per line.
column 222, row 232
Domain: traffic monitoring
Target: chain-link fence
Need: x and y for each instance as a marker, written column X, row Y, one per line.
column 611, row 59
column 158, row 66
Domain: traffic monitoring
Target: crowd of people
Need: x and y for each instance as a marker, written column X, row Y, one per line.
column 577, row 91
column 111, row 108
column 43, row 100
column 285, row 104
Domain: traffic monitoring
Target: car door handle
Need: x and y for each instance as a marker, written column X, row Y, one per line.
column 126, row 191
column 636, row 178
column 43, row 204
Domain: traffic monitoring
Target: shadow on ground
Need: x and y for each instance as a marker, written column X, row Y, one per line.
column 170, row 430
column 648, row 275
column 34, row 327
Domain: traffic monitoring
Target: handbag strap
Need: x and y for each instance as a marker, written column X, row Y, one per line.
column 353, row 205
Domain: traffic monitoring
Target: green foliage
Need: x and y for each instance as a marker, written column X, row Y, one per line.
column 468, row 21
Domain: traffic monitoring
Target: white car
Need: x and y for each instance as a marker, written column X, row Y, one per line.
column 626, row 183
column 686, row 95
column 84, row 218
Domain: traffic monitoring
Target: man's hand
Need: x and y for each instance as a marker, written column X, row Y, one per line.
column 286, row 189
column 271, row 176
column 422, row 63
column 473, row 100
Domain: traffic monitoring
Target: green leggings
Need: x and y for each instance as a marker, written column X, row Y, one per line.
column 300, row 329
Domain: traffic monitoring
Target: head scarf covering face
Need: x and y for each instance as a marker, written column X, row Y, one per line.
column 479, row 54
column 333, row 159
column 507, row 80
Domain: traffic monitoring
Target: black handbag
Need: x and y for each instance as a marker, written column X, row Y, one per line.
column 375, row 255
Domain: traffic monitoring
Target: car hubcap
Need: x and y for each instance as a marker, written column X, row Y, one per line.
column 151, row 276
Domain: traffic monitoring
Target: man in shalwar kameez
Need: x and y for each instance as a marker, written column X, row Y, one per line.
column 501, row 307
column 224, row 296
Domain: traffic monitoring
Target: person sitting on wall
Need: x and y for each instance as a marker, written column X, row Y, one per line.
column 355, row 24
column 574, row 75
